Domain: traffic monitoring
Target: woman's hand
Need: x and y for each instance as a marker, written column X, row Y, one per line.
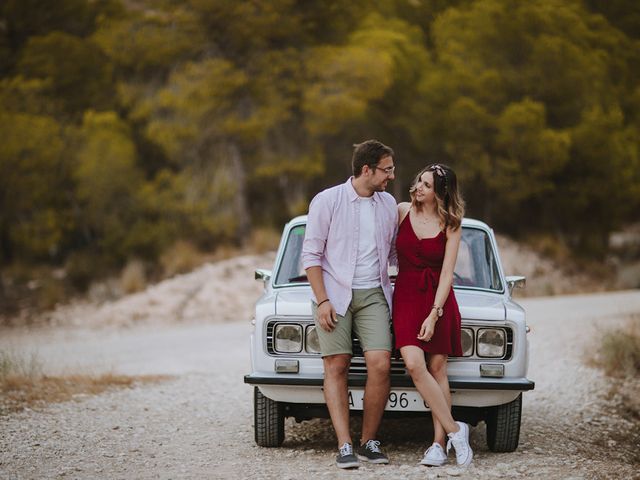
column 428, row 327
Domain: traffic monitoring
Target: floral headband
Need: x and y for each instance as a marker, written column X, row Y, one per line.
column 438, row 169
column 440, row 172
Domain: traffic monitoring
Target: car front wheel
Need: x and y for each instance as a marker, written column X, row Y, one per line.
column 503, row 426
column 268, row 419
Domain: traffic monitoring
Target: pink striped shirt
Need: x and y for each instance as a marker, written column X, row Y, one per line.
column 331, row 240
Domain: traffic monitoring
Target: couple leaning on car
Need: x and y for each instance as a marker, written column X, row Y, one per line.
column 353, row 233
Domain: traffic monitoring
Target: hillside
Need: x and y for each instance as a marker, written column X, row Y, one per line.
column 225, row 291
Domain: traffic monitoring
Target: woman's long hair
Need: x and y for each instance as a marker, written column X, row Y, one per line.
column 449, row 202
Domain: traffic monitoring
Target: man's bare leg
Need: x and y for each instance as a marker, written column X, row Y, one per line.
column 376, row 391
column 336, row 368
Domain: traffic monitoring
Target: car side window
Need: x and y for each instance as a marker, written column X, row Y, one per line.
column 476, row 265
column 291, row 270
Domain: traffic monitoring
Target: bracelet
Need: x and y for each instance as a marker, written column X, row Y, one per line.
column 325, row 300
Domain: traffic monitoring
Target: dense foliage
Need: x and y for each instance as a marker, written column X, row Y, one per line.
column 127, row 126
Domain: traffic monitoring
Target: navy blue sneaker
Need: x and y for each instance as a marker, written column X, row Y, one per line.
column 370, row 452
column 346, row 458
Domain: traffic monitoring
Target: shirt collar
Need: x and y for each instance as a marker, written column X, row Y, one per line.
column 353, row 195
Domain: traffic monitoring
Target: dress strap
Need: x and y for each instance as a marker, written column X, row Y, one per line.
column 405, row 215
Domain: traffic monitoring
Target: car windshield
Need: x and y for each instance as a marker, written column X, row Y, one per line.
column 476, row 266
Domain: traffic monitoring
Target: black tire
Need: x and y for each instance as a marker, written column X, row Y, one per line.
column 268, row 420
column 503, row 426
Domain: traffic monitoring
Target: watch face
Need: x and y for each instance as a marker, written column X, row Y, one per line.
column 440, row 312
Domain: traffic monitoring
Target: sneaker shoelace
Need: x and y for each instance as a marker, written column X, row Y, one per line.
column 346, row 449
column 373, row 445
column 432, row 448
column 457, row 440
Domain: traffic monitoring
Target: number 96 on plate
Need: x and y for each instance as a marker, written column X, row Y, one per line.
column 399, row 400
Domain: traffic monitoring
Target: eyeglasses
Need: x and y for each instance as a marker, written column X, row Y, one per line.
column 388, row 170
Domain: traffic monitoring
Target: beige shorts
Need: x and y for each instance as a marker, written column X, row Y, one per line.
column 368, row 316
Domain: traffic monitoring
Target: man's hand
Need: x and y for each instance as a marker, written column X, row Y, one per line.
column 327, row 317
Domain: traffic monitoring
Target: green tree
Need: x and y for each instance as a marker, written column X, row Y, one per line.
column 21, row 20
column 600, row 183
column 35, row 217
column 623, row 14
column 199, row 119
column 162, row 119
column 366, row 88
column 531, row 156
column 147, row 45
column 75, row 72
column 107, row 182
column 468, row 131
column 512, row 85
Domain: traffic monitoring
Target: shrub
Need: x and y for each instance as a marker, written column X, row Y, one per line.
column 12, row 364
column 51, row 292
column 619, row 350
column 181, row 257
column 81, row 269
column 264, row 240
column 23, row 383
column 133, row 277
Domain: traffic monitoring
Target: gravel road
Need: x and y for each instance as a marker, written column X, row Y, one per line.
column 198, row 424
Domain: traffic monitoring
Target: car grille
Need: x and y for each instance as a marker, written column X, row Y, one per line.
column 358, row 365
column 509, row 348
column 270, row 348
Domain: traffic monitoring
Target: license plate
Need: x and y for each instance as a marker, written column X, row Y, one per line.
column 399, row 400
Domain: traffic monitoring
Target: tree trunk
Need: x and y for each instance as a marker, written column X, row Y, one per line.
column 240, row 204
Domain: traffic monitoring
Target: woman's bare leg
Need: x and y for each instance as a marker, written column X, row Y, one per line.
column 428, row 387
column 437, row 367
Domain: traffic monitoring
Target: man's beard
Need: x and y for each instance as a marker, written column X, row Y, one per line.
column 381, row 187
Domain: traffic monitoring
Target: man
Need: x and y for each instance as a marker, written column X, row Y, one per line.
column 349, row 242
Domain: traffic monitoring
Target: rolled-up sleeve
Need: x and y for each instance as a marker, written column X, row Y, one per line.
column 393, row 254
column 315, row 237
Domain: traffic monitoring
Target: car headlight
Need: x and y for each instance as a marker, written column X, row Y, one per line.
column 491, row 342
column 467, row 342
column 288, row 338
column 312, row 344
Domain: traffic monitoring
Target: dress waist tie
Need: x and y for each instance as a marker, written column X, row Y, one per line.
column 429, row 279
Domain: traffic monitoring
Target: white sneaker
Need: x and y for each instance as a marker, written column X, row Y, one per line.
column 460, row 442
column 434, row 456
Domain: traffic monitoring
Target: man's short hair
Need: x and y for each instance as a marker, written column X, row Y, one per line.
column 369, row 153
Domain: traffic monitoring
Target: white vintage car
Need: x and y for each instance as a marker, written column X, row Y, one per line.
column 486, row 382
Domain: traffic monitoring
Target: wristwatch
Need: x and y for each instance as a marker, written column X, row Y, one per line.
column 438, row 310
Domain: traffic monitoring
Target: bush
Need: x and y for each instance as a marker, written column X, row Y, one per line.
column 133, row 277
column 181, row 257
column 13, row 364
column 264, row 240
column 551, row 247
column 619, row 351
column 51, row 292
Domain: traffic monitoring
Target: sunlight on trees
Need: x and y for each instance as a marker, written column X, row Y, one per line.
column 128, row 126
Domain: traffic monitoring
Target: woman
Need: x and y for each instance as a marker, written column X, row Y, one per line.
column 426, row 317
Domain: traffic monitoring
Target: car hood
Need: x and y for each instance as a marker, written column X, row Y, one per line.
column 295, row 302
column 477, row 305
column 474, row 305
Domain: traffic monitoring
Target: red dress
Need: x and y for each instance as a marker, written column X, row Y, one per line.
column 419, row 265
